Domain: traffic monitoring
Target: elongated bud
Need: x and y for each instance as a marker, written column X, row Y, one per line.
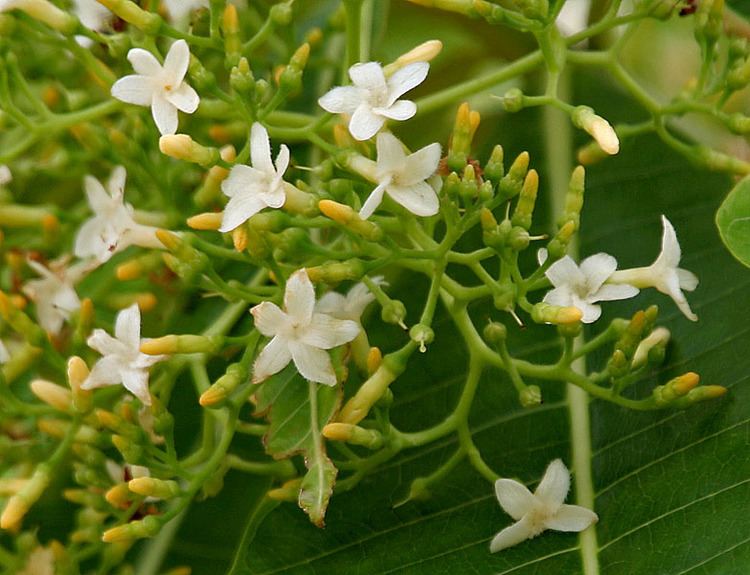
column 205, row 221
column 58, row 428
column 335, row 272
column 138, row 266
column 182, row 344
column 350, row 219
column 231, row 27
column 11, row 486
column 19, row 504
column 215, row 395
column 132, row 13
column 546, row 313
column 676, row 388
column 656, row 339
column 119, row 496
column 524, row 211
column 574, row 197
column 510, row 185
column 374, row 359
column 467, row 122
column 78, row 371
column 289, row 491
column 48, row 13
column 151, row 487
column 598, row 128
column 299, row 202
column 369, row 438
column 52, row 394
column 558, row 246
column 183, row 147
column 495, row 169
column 146, row 527
column 357, row 408
column 425, row 52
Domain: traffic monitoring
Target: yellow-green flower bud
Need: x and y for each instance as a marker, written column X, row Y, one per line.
column 530, row 396
column 524, row 211
column 510, row 185
column 495, row 333
column 513, row 100
column 146, row 527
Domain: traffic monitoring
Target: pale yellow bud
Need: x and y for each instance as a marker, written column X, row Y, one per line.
column 206, row 221
column 52, row 394
column 425, row 52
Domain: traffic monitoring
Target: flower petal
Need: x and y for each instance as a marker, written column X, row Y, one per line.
column 511, row 535
column 561, row 296
column 571, row 518
column 104, row 343
column 341, row 100
column 515, row 499
column 176, row 63
column 555, row 484
column 420, row 199
column 312, row 363
column 99, row 200
column 391, row 156
column 128, row 327
column 670, row 248
column 90, row 242
column 184, row 98
column 327, row 332
column 688, row 280
column 116, row 182
column 164, row 114
column 597, row 269
column 105, row 372
column 260, row 149
column 364, row 123
column 299, row 298
column 269, row 318
column 405, row 79
column 274, row 357
column 591, row 312
column 401, row 110
column 372, row 202
column 241, row 180
column 421, row 164
column 612, row 292
column 282, row 160
column 144, row 62
column 565, row 272
column 368, row 76
column 136, row 382
column 134, row 89
column 239, row 209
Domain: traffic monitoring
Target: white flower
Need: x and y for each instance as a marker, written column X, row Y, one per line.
column 179, row 10
column 583, row 286
column 349, row 306
column 161, row 87
column 4, row 355
column 663, row 274
column 299, row 334
column 373, row 98
column 123, row 361
column 598, row 128
column 112, row 229
column 54, row 295
column 403, row 177
column 544, row 509
column 93, row 16
column 5, row 175
column 250, row 189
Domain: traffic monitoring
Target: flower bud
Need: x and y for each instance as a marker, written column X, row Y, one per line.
column 205, row 221
column 78, row 372
column 20, row 322
column 22, row 501
column 425, row 52
column 598, row 128
column 46, row 12
column 335, row 272
column 574, row 198
column 52, row 394
column 231, row 27
column 241, row 78
column 495, row 333
column 289, row 491
column 187, row 343
column 394, row 312
column 350, row 219
column 281, row 14
column 215, row 395
column 133, row 14
column 510, row 185
column 146, row 527
column 151, row 487
column 374, row 359
column 524, row 211
column 655, row 340
column 546, row 313
column 495, row 169
column 183, row 147
column 467, row 122
column 369, row 438
column 210, row 191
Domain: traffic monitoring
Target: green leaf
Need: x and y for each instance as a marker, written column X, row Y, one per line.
column 733, row 220
column 671, row 488
column 297, row 411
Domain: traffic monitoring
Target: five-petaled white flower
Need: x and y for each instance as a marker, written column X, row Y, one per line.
column 250, row 189
column 541, row 510
column 161, row 87
column 403, row 177
column 663, row 274
column 54, row 295
column 583, row 286
column 123, row 363
column 373, row 98
column 112, row 229
column 299, row 334
column 350, row 306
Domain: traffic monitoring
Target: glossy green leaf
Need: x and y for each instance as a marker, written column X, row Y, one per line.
column 733, row 220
